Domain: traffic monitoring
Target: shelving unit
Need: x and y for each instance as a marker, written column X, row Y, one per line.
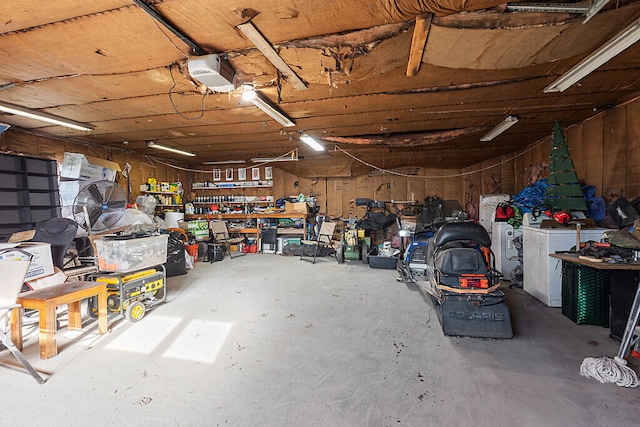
column 162, row 195
column 223, row 194
column 28, row 193
column 217, row 185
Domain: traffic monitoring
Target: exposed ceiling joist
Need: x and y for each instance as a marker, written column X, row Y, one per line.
column 418, row 42
column 263, row 45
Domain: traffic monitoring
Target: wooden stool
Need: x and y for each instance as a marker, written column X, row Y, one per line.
column 47, row 300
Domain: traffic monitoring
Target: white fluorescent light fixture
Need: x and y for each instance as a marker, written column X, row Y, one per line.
column 251, row 95
column 595, row 7
column 311, row 142
column 604, row 53
column 227, row 162
column 173, row 150
column 43, row 117
column 500, row 128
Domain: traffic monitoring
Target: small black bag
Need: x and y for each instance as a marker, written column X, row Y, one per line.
column 623, row 213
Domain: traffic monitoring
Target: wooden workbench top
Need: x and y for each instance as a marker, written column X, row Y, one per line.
column 598, row 265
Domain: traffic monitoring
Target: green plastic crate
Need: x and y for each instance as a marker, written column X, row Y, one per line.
column 585, row 294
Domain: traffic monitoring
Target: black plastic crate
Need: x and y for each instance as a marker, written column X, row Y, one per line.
column 41, row 166
column 585, row 294
column 10, row 163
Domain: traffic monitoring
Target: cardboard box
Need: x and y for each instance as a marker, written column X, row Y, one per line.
column 81, row 166
column 298, row 207
column 198, row 228
column 41, row 262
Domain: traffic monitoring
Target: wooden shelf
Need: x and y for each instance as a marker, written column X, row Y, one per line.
column 160, row 192
column 232, row 184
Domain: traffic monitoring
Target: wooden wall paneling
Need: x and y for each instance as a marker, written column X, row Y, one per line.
column 524, row 163
column 335, row 190
column 472, row 189
column 508, row 175
column 398, row 189
column 51, row 149
column 613, row 171
column 489, row 178
column 416, row 187
column 593, row 141
column 632, row 154
column 434, row 185
column 453, row 185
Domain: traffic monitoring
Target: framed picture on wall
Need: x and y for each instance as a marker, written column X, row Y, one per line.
column 268, row 171
column 242, row 174
column 229, row 176
column 216, row 174
column 255, row 174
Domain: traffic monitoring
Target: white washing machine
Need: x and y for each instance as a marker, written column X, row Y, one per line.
column 502, row 235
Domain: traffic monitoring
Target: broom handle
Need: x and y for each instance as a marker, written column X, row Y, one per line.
column 632, row 322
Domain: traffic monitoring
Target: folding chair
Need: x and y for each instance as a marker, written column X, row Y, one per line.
column 221, row 235
column 322, row 240
column 14, row 269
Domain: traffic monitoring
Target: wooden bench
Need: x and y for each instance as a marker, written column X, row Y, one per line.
column 47, row 300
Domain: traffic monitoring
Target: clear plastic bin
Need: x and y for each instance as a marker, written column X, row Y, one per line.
column 121, row 256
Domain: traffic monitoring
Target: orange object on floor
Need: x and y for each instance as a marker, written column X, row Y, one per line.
column 193, row 251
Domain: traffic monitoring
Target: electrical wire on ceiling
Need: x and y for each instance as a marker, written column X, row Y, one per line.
column 174, row 105
column 392, row 172
column 275, row 159
column 167, row 36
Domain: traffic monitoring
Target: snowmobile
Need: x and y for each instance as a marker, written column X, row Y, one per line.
column 455, row 267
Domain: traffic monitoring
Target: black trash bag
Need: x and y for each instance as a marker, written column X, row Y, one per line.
column 175, row 264
column 376, row 221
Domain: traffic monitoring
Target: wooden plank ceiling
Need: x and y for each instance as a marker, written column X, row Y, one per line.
column 393, row 83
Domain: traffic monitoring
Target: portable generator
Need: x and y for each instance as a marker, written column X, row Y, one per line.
column 132, row 294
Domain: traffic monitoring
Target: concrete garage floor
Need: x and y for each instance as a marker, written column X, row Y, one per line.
column 267, row 340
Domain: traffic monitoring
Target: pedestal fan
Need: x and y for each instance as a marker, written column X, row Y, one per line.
column 99, row 205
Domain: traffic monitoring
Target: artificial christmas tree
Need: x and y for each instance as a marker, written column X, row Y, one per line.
column 564, row 191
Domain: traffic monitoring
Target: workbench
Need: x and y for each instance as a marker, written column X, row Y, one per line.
column 626, row 285
column 255, row 216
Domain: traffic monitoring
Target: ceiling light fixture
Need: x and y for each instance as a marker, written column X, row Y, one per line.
column 500, row 128
column 251, row 95
column 595, row 7
column 311, row 142
column 44, row 117
column 225, row 162
column 152, row 144
column 604, row 53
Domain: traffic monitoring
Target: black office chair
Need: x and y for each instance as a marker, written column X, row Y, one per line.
column 59, row 232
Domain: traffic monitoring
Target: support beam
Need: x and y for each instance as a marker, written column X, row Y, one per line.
column 263, row 45
column 418, row 42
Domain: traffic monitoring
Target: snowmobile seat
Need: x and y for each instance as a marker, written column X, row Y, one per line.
column 462, row 231
column 456, row 261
